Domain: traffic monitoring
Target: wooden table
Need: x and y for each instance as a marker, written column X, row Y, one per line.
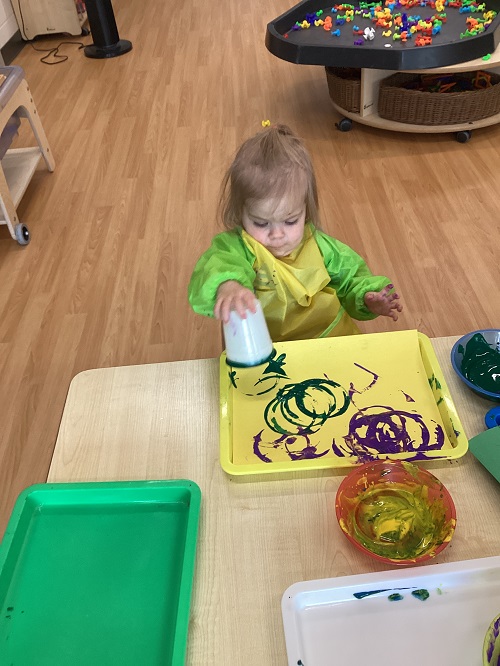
column 257, row 537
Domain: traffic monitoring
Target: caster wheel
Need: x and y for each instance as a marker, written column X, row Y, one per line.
column 463, row 136
column 22, row 234
column 85, row 32
column 344, row 125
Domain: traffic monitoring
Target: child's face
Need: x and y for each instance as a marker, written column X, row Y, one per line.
column 277, row 223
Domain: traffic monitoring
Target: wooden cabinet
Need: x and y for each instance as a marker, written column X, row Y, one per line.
column 45, row 17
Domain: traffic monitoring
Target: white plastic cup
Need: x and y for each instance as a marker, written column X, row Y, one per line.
column 248, row 342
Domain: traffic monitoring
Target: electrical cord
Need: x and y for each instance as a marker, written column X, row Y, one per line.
column 53, row 52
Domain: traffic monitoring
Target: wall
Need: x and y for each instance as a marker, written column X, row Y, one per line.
column 8, row 23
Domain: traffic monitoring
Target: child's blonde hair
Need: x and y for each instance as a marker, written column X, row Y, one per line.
column 270, row 164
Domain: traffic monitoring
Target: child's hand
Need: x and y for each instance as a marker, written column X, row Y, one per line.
column 383, row 302
column 231, row 295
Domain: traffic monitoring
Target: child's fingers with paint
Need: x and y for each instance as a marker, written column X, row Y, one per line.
column 384, row 302
column 231, row 295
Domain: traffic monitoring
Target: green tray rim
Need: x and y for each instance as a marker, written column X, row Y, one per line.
column 187, row 576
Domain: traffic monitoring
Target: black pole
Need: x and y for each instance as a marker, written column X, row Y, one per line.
column 107, row 42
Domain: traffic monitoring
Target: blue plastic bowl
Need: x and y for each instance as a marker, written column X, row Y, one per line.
column 492, row 337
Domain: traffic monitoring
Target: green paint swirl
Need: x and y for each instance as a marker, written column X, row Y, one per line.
column 397, row 521
column 303, row 407
column 481, row 364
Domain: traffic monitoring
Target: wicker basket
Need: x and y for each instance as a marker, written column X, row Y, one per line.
column 344, row 85
column 433, row 108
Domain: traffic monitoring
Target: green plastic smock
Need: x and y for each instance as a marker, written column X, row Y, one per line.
column 316, row 291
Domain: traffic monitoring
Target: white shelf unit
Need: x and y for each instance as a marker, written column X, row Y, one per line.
column 370, row 82
column 47, row 17
column 19, row 164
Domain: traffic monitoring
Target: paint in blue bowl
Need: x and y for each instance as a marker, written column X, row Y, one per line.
column 476, row 360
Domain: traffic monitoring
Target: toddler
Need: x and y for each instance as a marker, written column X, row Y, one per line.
column 309, row 284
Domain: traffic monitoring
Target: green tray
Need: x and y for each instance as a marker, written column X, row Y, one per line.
column 486, row 448
column 98, row 574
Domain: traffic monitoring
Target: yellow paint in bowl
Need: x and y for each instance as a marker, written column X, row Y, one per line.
column 395, row 511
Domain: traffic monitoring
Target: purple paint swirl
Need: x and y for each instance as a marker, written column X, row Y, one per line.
column 493, row 632
column 297, row 447
column 382, row 430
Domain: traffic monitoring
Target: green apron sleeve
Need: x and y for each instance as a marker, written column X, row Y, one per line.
column 350, row 276
column 227, row 258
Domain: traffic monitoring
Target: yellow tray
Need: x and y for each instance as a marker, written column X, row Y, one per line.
column 338, row 402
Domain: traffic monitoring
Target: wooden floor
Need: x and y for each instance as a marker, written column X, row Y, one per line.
column 141, row 142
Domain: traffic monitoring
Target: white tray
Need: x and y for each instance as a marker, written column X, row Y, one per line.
column 325, row 625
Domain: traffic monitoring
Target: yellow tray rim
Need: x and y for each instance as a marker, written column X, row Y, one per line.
column 447, row 406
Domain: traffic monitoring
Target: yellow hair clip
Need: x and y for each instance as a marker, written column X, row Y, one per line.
column 266, row 123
